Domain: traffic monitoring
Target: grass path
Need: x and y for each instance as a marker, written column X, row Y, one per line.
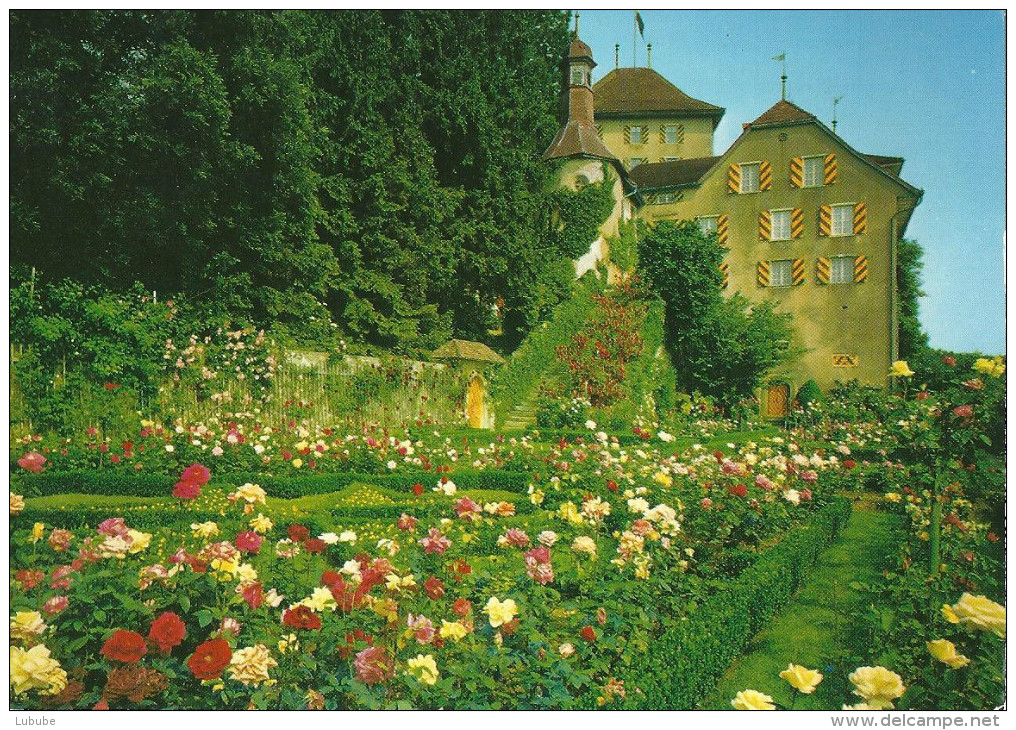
column 814, row 628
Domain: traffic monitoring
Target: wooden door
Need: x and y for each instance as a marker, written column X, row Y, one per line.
column 474, row 402
column 778, row 400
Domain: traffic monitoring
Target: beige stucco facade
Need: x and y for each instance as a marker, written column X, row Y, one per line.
column 695, row 138
column 847, row 330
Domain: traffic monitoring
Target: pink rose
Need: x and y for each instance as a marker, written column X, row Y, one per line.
column 33, row 462
column 372, row 665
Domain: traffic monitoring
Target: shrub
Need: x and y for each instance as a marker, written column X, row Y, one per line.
column 808, row 394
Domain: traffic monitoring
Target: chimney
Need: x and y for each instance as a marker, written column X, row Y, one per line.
column 649, row 55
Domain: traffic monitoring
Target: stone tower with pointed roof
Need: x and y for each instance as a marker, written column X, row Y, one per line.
column 580, row 154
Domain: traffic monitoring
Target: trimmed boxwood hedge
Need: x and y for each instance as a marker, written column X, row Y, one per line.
column 687, row 660
column 286, row 487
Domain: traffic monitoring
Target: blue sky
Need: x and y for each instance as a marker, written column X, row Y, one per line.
column 928, row 86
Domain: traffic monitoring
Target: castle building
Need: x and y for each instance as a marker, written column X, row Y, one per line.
column 808, row 222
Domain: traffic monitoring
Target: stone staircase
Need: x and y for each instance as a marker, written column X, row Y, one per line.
column 523, row 415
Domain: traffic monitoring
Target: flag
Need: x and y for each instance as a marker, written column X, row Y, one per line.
column 781, row 57
column 640, row 24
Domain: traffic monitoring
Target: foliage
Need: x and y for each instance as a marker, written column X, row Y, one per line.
column 289, row 168
column 598, row 355
column 554, row 410
column 531, row 359
column 723, row 347
column 809, row 393
column 913, row 340
column 576, row 215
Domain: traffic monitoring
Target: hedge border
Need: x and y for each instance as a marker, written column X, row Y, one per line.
column 689, row 659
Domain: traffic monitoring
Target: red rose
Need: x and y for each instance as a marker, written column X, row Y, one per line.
column 510, row 627
column 434, row 587
column 314, row 545
column 462, row 607
column 186, row 490
column 124, row 646
column 588, row 633
column 197, row 474
column 248, row 542
column 949, row 360
column 254, row 595
column 298, row 533
column 738, row 490
column 417, row 489
column 210, row 658
column 963, row 411
column 167, row 631
column 301, row 617
column 849, row 463
column 612, row 485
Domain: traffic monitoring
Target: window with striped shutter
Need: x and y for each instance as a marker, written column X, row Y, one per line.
column 825, row 220
column 860, row 269
column 830, row 169
column 672, row 134
column 762, row 274
column 722, row 229
column 765, row 176
column 860, row 218
column 636, row 134
column 796, row 172
column 724, row 274
column 734, row 179
column 822, row 270
column 797, row 223
column 765, row 225
column 797, row 272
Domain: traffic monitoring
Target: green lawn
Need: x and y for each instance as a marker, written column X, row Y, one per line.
column 813, row 630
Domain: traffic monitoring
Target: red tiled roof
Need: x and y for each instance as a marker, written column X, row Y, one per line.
column 575, row 139
column 653, row 175
column 640, row 91
column 783, row 112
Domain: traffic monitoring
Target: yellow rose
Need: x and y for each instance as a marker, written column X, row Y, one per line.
column 945, row 652
column 453, row 630
column 297, row 463
column 663, row 479
column 204, row 529
column 36, row 669
column 584, row 544
column 570, row 513
column 980, row 612
column 27, row 624
column 247, row 574
column 500, row 612
column 995, row 368
column 949, row 615
column 226, row 569
column 261, row 524
column 320, row 600
column 750, row 699
column 139, row 541
column 17, row 503
column 877, row 686
column 251, row 493
column 900, row 369
column 250, row 666
column 424, row 668
column 38, row 531
column 802, row 679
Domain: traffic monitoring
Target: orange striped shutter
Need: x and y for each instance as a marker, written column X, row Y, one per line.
column 765, row 176
column 825, row 220
column 722, row 229
column 734, row 179
column 797, row 223
column 765, row 225
column 860, row 269
column 830, row 169
column 797, row 172
column 724, row 274
column 797, row 272
column 763, row 273
column 860, row 218
column 824, row 270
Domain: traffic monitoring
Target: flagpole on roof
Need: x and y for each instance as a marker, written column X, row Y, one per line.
column 836, row 101
column 634, row 26
column 783, row 78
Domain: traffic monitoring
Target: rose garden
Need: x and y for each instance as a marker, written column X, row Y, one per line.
column 311, row 410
